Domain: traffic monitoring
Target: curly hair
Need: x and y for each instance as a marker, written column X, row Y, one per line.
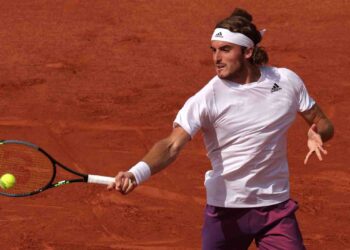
column 241, row 21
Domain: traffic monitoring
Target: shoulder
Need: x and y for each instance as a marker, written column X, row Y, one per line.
column 271, row 73
column 290, row 75
column 203, row 102
column 207, row 92
column 275, row 72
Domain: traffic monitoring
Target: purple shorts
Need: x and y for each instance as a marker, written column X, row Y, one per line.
column 272, row 227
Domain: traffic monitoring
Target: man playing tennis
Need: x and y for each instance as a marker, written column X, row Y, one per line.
column 244, row 113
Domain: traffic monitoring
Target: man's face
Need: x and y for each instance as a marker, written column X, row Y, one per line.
column 229, row 60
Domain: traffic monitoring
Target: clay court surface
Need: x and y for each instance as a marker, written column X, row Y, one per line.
column 96, row 83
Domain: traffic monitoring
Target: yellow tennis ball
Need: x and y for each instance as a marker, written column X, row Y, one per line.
column 7, row 181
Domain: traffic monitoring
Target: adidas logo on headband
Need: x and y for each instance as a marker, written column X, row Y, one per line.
column 219, row 35
column 226, row 35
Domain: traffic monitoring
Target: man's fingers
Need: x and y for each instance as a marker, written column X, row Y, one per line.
column 307, row 157
column 119, row 181
column 323, row 150
column 125, row 184
column 130, row 187
column 318, row 153
column 111, row 186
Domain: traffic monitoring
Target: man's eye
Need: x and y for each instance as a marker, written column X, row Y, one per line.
column 226, row 49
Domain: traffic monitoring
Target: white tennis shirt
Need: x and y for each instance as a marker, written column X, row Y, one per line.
column 244, row 129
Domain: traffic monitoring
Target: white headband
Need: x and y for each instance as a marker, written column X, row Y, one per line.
column 233, row 37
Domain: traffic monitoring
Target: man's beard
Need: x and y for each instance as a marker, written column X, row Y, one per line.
column 237, row 74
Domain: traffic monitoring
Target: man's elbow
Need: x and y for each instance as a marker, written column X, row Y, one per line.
column 174, row 151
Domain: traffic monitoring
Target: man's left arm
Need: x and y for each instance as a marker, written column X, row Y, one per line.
column 321, row 130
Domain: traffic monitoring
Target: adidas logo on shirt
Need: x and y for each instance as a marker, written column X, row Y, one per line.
column 219, row 35
column 275, row 88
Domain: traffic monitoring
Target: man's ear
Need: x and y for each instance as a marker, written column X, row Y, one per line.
column 248, row 53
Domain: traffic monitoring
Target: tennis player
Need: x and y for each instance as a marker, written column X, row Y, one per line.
column 244, row 113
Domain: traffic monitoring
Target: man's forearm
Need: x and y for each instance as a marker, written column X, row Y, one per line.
column 325, row 129
column 161, row 155
column 324, row 126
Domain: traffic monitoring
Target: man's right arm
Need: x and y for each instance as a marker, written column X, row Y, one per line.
column 159, row 157
column 165, row 151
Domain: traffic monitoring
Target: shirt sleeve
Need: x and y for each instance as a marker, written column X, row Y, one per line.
column 305, row 100
column 191, row 115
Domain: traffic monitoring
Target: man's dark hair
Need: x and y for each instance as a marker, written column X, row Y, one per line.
column 241, row 21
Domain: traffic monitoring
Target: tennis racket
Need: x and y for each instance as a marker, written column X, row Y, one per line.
column 35, row 170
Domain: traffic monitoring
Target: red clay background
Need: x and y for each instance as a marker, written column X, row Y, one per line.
column 96, row 83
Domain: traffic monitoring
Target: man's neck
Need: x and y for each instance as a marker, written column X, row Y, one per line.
column 250, row 73
column 253, row 74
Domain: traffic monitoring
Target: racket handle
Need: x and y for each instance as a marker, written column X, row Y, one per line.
column 98, row 179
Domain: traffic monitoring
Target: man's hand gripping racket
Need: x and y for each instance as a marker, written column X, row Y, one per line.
column 124, row 183
column 35, row 171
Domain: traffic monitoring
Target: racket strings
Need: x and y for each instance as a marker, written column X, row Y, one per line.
column 31, row 168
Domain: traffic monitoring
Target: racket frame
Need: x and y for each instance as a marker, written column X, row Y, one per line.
column 54, row 162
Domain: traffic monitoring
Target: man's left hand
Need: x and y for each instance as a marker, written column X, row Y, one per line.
column 314, row 144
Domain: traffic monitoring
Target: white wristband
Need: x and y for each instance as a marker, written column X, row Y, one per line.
column 141, row 171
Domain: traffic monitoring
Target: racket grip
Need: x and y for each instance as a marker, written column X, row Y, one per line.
column 98, row 179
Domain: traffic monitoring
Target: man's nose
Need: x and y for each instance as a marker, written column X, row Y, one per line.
column 217, row 57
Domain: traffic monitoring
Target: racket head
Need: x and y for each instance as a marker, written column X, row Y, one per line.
column 33, row 168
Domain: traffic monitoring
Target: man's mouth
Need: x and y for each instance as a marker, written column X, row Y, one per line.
column 220, row 66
